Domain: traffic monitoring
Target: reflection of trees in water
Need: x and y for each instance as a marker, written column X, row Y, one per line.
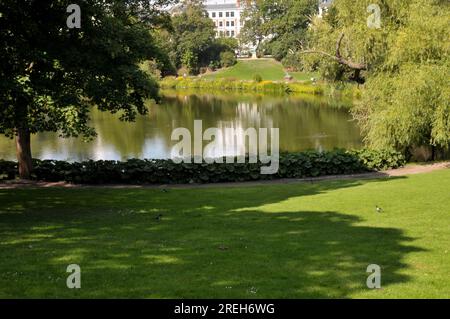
column 304, row 122
column 7, row 150
column 306, row 125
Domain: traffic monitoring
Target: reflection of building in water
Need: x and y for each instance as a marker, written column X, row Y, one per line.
column 249, row 111
column 254, row 114
column 236, row 140
column 318, row 146
column 155, row 148
column 101, row 150
column 230, row 142
column 318, row 141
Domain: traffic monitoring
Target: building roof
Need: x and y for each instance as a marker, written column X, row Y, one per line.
column 222, row 6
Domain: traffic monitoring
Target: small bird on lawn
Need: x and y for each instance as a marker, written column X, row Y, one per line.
column 158, row 218
column 378, row 209
column 165, row 190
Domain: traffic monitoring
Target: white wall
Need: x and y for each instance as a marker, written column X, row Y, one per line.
column 227, row 25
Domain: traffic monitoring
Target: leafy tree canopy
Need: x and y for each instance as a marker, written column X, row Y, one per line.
column 193, row 33
column 52, row 75
column 406, row 97
column 191, row 41
column 283, row 24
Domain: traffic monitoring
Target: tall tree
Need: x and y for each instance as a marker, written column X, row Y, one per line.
column 193, row 34
column 253, row 31
column 406, row 102
column 52, row 74
column 281, row 24
column 406, row 62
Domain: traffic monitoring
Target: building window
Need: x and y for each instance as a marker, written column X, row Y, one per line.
column 228, row 33
column 213, row 14
column 220, row 24
column 227, row 14
column 232, row 14
column 228, row 23
column 232, row 33
column 220, row 14
column 232, row 23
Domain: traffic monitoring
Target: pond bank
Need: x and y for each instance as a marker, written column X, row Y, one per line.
column 230, row 84
column 344, row 91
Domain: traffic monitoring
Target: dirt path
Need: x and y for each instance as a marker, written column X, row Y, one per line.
column 408, row 170
column 418, row 169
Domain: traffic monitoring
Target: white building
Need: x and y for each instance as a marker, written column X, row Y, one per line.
column 226, row 15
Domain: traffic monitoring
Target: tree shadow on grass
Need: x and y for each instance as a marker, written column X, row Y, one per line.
column 208, row 243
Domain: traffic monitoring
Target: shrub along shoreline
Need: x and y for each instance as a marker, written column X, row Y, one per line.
column 242, row 86
column 134, row 171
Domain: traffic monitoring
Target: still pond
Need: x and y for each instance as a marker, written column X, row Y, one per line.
column 304, row 122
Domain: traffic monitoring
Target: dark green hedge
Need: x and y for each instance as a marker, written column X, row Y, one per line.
column 292, row 165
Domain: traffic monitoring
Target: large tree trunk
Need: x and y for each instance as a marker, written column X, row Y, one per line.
column 23, row 151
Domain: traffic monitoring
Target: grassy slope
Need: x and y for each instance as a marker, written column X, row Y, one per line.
column 302, row 240
column 269, row 70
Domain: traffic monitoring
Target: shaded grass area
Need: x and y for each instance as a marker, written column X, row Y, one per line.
column 280, row 241
column 269, row 69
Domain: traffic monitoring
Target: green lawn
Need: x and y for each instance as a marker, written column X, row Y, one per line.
column 269, row 70
column 286, row 241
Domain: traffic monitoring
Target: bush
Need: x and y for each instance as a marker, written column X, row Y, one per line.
column 305, row 88
column 150, row 67
column 380, row 160
column 292, row 165
column 293, row 62
column 214, row 65
column 227, row 59
column 257, row 78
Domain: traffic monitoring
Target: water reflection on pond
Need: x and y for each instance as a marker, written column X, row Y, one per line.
column 305, row 122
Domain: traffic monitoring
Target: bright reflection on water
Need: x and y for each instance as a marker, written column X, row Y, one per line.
column 305, row 122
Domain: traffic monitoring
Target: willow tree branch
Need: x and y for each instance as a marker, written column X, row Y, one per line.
column 338, row 45
column 338, row 58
